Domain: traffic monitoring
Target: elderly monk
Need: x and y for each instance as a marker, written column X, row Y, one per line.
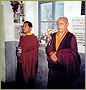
column 27, row 57
column 63, row 57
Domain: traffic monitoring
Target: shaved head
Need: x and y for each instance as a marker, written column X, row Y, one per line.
column 62, row 24
column 63, row 18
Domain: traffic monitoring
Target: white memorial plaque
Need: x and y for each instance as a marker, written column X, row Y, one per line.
column 78, row 29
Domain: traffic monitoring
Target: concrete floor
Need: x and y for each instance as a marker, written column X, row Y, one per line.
column 42, row 74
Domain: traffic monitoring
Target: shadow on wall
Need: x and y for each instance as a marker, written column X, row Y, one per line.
column 42, row 75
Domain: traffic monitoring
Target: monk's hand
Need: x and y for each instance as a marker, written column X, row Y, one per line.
column 53, row 56
column 18, row 54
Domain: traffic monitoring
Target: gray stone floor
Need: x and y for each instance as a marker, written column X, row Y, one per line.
column 80, row 82
column 42, row 75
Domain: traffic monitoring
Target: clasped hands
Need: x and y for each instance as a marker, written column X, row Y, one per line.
column 53, row 56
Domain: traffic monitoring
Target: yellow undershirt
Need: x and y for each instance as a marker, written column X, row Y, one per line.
column 27, row 34
column 58, row 39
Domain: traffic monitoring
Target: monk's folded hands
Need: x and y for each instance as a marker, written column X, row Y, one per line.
column 53, row 57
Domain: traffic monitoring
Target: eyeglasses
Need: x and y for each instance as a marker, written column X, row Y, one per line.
column 61, row 24
column 25, row 26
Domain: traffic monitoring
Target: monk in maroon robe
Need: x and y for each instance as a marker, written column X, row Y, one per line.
column 63, row 57
column 28, row 57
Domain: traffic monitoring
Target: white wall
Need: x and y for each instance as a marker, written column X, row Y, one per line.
column 73, row 9
column 31, row 14
column 2, row 46
column 8, row 21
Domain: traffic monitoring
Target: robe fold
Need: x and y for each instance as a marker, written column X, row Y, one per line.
column 68, row 58
column 29, row 56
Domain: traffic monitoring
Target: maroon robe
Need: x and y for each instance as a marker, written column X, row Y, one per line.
column 29, row 56
column 68, row 58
